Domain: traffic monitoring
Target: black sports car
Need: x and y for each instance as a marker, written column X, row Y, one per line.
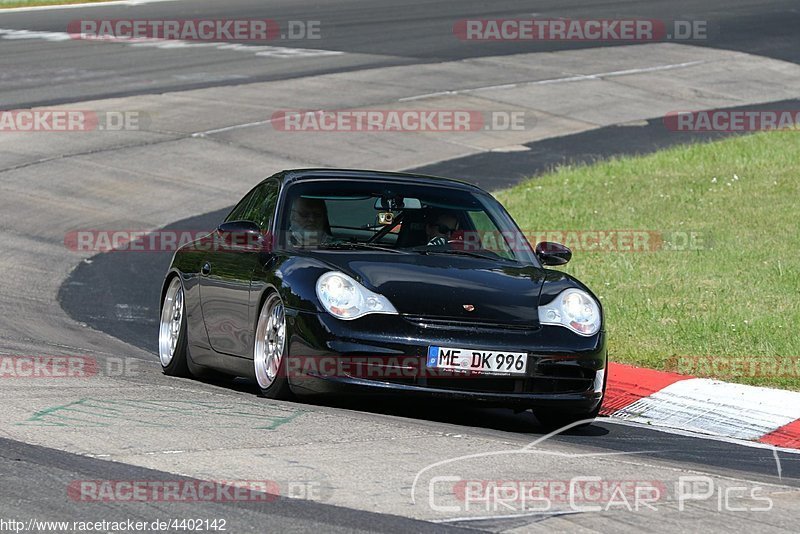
column 329, row 281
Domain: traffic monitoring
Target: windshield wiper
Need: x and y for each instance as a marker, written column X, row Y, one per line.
column 474, row 254
column 349, row 245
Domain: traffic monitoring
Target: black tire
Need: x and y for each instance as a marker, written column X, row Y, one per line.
column 552, row 419
column 271, row 381
column 174, row 362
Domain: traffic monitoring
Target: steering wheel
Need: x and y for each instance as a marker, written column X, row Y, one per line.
column 456, row 240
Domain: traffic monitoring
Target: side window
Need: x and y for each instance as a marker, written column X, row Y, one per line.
column 265, row 211
column 238, row 213
column 258, row 206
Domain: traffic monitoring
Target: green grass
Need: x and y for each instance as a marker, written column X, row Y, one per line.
column 738, row 296
column 30, row 3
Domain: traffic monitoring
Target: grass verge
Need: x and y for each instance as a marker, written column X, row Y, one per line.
column 727, row 307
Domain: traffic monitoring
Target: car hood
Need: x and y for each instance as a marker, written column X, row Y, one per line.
column 446, row 286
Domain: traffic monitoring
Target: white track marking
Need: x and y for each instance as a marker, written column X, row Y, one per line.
column 169, row 44
column 229, row 128
column 133, row 314
column 486, row 88
column 567, row 79
column 31, row 34
column 714, row 407
column 239, row 126
column 79, row 6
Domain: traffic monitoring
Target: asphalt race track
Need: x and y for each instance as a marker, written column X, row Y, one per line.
column 205, row 142
column 386, row 33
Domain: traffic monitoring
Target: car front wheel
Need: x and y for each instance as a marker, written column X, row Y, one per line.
column 553, row 419
column 269, row 350
column 172, row 332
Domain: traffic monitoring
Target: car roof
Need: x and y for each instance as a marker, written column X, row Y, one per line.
column 294, row 175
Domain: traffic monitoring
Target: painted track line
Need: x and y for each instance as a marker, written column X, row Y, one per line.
column 580, row 78
column 129, row 3
column 269, row 51
column 565, row 79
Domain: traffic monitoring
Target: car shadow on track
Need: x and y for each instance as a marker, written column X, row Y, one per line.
column 439, row 411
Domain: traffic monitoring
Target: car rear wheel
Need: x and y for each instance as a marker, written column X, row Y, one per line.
column 269, row 350
column 172, row 332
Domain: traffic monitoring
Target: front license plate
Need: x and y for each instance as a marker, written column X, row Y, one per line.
column 484, row 361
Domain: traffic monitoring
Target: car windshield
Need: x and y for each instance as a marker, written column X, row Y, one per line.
column 401, row 218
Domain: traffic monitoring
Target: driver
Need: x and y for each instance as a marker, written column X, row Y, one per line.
column 308, row 222
column 440, row 228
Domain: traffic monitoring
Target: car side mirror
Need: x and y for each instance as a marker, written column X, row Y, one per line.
column 238, row 227
column 243, row 235
column 550, row 253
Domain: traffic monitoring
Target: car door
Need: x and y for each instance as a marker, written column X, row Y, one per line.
column 226, row 272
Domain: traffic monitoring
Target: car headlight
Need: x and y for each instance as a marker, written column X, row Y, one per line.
column 574, row 309
column 345, row 298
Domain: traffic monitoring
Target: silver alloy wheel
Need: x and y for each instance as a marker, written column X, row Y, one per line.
column 270, row 341
column 171, row 322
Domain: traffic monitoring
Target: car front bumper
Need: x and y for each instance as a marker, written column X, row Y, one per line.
column 385, row 355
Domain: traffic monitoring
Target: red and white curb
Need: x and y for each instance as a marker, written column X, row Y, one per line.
column 702, row 405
